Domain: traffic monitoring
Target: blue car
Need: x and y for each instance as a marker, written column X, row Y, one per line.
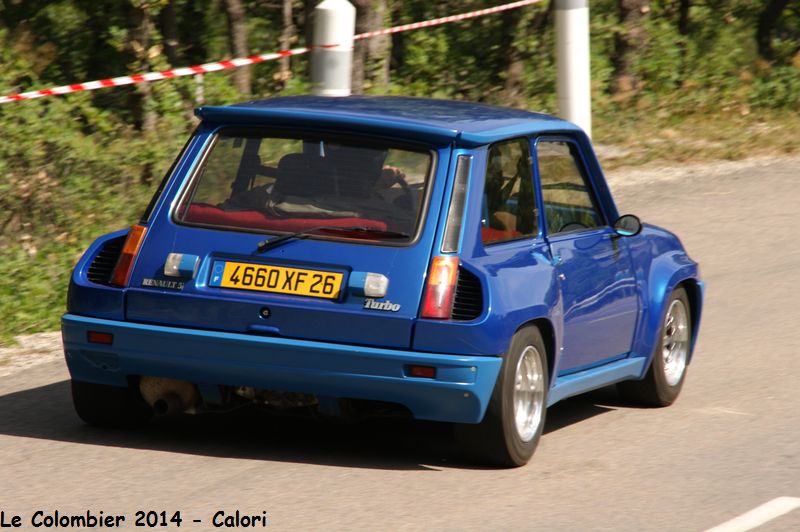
column 445, row 260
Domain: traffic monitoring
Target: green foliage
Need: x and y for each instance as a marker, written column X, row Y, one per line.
column 69, row 171
column 779, row 88
column 714, row 66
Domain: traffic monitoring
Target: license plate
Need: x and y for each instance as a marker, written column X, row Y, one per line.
column 276, row 279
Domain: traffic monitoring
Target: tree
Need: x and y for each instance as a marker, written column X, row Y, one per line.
column 511, row 69
column 632, row 14
column 169, row 30
column 767, row 21
column 683, row 16
column 140, row 42
column 287, row 37
column 237, row 30
column 371, row 56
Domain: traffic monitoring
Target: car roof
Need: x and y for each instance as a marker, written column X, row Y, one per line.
column 432, row 120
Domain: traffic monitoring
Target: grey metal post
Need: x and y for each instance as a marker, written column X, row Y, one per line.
column 331, row 66
column 573, row 85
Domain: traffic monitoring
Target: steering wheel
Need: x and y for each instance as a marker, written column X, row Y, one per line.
column 396, row 175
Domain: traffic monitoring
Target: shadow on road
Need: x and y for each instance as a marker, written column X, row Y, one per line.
column 577, row 409
column 46, row 413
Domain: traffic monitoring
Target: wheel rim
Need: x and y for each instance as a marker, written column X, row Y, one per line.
column 675, row 343
column 528, row 393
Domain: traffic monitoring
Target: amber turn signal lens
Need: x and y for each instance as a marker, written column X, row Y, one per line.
column 122, row 272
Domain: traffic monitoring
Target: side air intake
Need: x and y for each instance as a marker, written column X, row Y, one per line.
column 103, row 264
column 468, row 303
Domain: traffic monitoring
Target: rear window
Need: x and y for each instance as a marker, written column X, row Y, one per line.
column 262, row 183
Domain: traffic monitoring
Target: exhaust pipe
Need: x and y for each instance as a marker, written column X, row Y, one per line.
column 168, row 396
column 169, row 404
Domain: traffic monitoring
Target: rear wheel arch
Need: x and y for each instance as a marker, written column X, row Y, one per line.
column 514, row 419
column 549, row 337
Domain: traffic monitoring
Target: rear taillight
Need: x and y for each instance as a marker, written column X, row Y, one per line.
column 440, row 288
column 122, row 271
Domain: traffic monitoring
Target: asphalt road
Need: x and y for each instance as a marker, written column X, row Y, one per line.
column 730, row 443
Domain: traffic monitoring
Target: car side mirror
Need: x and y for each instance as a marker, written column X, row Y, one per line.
column 628, row 225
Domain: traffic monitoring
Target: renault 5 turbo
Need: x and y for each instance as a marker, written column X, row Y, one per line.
column 452, row 261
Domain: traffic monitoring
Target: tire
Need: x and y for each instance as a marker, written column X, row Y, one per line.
column 109, row 406
column 664, row 379
column 512, row 425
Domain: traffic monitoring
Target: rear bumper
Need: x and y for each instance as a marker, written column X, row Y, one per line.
column 459, row 393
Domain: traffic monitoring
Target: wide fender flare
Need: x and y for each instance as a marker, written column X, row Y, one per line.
column 549, row 321
column 666, row 273
column 507, row 326
column 86, row 297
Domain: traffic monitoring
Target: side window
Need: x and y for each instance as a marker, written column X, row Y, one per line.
column 509, row 205
column 568, row 203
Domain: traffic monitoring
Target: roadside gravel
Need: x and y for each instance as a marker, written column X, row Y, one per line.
column 32, row 350
column 659, row 171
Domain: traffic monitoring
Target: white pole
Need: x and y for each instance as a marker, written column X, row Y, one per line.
column 334, row 24
column 572, row 62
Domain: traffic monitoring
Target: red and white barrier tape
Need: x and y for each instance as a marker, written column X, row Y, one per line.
column 446, row 20
column 244, row 61
column 152, row 76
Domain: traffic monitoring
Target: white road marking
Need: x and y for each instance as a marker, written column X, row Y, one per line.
column 760, row 515
column 722, row 410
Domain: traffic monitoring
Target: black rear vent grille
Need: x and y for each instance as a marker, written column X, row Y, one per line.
column 103, row 264
column 468, row 303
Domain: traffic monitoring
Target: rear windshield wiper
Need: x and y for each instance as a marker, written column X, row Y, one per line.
column 354, row 231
